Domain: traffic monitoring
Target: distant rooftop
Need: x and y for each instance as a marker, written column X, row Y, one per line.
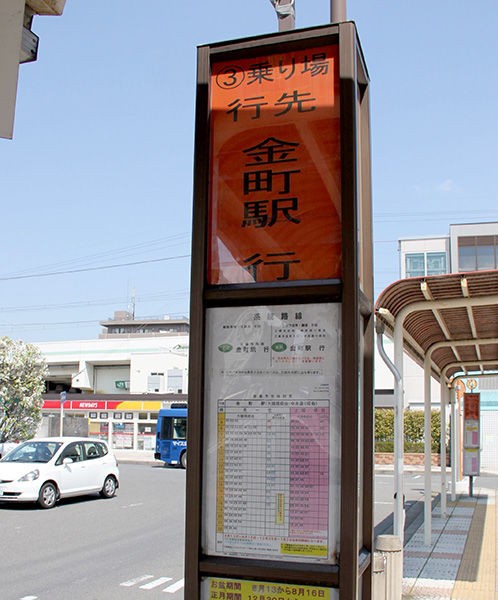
column 124, row 324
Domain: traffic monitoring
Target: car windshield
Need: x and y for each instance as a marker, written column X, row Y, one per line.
column 33, row 452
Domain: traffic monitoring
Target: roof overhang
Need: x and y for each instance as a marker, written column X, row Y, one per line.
column 452, row 318
column 47, row 7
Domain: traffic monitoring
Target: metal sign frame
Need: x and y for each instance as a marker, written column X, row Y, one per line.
column 353, row 289
column 471, row 433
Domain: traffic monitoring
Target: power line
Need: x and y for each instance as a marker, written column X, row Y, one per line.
column 101, row 268
column 132, row 250
column 142, row 298
column 45, row 324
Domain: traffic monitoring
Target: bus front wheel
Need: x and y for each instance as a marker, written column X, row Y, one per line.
column 183, row 460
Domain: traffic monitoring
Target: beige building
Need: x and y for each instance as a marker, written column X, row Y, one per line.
column 114, row 386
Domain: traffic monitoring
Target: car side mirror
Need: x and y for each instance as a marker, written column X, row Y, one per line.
column 67, row 461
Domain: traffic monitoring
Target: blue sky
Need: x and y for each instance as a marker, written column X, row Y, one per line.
column 99, row 172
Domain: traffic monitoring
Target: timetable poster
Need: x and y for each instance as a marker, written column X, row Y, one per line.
column 471, row 463
column 272, row 432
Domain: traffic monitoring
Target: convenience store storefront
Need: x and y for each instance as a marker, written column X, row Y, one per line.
column 122, row 422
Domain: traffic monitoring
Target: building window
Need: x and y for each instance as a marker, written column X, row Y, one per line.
column 436, row 263
column 486, row 251
column 415, row 264
column 477, row 253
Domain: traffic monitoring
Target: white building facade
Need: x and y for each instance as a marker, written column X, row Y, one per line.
column 113, row 388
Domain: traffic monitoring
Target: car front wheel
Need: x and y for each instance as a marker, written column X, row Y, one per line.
column 109, row 488
column 183, row 460
column 48, row 495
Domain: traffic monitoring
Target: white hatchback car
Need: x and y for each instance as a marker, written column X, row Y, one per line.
column 44, row 470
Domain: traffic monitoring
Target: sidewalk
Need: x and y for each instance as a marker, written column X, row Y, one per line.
column 141, row 457
column 460, row 563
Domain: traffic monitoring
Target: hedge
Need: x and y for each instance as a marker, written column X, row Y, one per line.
column 414, row 430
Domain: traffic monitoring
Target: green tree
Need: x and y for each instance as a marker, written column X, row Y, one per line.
column 22, row 379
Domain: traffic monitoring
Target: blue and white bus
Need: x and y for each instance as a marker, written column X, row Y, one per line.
column 171, row 435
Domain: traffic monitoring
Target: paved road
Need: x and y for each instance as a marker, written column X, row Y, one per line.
column 128, row 547
column 88, row 549
column 384, row 497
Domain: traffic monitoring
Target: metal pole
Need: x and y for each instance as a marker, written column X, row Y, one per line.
column 337, row 11
column 398, row 521
column 427, row 452
column 444, row 402
column 63, row 398
column 285, row 14
column 453, row 431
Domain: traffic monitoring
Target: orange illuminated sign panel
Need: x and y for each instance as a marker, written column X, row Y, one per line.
column 471, row 407
column 275, row 186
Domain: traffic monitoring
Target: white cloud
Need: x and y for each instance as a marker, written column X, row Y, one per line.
column 447, row 186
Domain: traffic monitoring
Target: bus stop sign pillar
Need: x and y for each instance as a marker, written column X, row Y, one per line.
column 281, row 321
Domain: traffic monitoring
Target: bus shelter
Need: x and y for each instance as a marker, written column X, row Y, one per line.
column 448, row 324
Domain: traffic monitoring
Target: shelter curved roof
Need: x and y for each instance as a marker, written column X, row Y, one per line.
column 453, row 317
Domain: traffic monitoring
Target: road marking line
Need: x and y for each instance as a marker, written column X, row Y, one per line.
column 135, row 580
column 155, row 583
column 171, row 589
column 29, row 598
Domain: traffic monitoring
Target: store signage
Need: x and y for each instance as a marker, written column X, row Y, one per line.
column 104, row 404
column 275, row 169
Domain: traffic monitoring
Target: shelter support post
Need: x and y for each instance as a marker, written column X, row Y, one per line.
column 398, row 521
column 444, row 402
column 427, row 452
column 453, row 441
